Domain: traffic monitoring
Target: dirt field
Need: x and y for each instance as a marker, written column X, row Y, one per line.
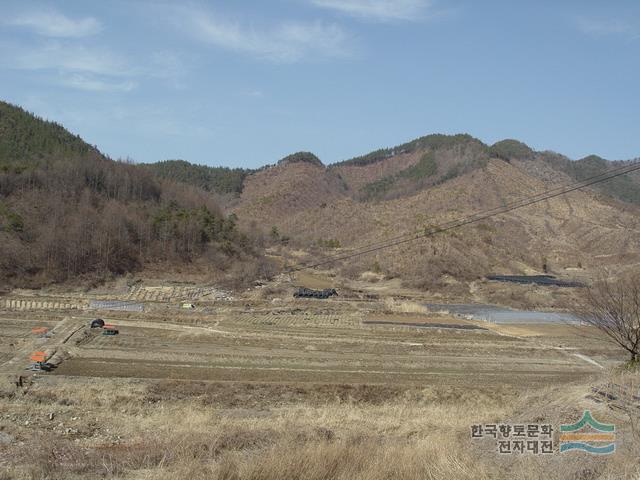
column 279, row 374
column 283, row 346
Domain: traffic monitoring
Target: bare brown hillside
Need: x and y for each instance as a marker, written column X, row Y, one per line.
column 573, row 235
column 283, row 190
column 357, row 176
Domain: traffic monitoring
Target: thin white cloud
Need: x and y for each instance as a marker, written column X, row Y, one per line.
column 283, row 42
column 380, row 10
column 602, row 26
column 92, row 68
column 62, row 59
column 54, row 24
column 94, row 84
column 71, row 65
column 65, row 57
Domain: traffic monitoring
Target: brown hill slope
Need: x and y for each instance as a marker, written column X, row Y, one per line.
column 408, row 168
column 282, row 191
column 583, row 229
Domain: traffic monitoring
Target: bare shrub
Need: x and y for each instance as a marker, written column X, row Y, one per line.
column 371, row 277
column 614, row 309
column 403, row 306
column 352, row 270
column 245, row 273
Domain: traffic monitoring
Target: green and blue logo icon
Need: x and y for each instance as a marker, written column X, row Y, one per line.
column 588, row 435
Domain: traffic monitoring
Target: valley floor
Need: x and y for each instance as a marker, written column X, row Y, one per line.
column 259, row 385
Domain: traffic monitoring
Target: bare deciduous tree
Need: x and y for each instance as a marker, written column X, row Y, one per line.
column 614, row 309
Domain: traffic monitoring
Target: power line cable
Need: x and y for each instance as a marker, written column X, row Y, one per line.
column 622, row 170
column 478, row 216
column 561, row 187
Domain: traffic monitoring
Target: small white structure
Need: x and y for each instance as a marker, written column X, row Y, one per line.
column 188, row 306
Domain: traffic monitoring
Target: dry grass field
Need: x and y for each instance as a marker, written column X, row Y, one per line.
column 262, row 386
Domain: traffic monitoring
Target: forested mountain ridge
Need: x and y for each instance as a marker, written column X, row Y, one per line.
column 625, row 188
column 220, row 180
column 405, row 169
column 67, row 211
column 26, row 140
column 430, row 160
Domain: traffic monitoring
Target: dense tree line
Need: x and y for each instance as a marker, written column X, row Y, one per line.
column 27, row 140
column 304, row 157
column 221, row 180
column 428, row 142
column 511, row 149
column 625, row 187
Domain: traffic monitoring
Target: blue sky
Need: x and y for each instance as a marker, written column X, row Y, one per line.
column 244, row 83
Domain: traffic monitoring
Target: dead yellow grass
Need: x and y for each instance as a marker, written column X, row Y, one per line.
column 371, row 277
column 124, row 432
column 403, row 306
column 311, row 280
column 414, row 437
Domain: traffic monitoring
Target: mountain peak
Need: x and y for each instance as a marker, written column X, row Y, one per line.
column 509, row 148
column 304, row 157
column 593, row 158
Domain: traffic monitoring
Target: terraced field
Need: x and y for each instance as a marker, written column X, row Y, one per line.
column 312, row 348
column 332, row 341
column 269, row 371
